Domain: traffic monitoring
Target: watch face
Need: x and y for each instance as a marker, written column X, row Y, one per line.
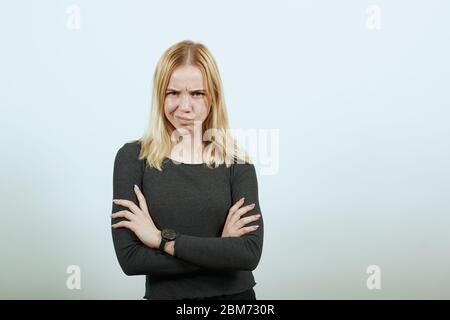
column 169, row 234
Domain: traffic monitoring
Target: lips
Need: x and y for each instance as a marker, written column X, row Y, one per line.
column 182, row 118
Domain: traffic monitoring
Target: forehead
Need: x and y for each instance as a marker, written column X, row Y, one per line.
column 186, row 76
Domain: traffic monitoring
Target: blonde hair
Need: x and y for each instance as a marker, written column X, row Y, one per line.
column 156, row 143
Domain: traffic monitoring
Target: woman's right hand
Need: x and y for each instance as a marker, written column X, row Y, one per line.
column 234, row 225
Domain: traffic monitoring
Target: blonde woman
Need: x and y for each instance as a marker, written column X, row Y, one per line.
column 185, row 211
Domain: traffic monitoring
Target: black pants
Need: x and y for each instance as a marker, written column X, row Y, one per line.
column 245, row 295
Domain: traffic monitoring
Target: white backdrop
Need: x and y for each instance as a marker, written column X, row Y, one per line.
column 357, row 89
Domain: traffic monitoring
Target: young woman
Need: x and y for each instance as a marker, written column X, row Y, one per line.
column 185, row 211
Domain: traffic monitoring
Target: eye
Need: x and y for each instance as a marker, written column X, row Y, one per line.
column 172, row 93
column 198, row 94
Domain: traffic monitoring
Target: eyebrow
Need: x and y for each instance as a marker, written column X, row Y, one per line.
column 171, row 89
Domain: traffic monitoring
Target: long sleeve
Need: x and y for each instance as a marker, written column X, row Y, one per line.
column 229, row 253
column 134, row 257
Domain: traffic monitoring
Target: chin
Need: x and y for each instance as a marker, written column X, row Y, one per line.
column 183, row 128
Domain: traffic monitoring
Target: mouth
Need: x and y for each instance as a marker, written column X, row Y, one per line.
column 183, row 119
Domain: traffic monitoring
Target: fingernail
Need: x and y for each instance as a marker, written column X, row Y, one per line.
column 252, row 205
column 258, row 215
column 242, row 199
column 114, row 200
column 136, row 186
column 256, row 227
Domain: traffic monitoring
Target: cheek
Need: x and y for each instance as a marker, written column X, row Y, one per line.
column 201, row 109
column 169, row 105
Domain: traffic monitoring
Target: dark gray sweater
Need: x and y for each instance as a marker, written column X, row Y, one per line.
column 194, row 200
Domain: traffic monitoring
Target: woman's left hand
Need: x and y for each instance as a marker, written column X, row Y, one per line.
column 140, row 221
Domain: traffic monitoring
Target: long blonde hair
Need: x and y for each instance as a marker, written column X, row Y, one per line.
column 156, row 143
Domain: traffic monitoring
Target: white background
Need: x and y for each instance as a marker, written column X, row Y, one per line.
column 363, row 117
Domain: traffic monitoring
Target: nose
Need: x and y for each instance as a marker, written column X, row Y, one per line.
column 184, row 101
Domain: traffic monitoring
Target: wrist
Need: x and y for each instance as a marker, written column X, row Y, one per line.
column 170, row 247
column 166, row 243
column 158, row 239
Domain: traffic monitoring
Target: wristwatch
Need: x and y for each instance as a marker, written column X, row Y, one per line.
column 167, row 235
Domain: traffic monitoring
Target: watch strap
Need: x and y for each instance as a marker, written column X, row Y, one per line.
column 162, row 244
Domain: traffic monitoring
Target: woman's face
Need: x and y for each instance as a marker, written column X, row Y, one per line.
column 185, row 104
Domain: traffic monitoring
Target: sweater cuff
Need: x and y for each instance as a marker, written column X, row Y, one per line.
column 177, row 240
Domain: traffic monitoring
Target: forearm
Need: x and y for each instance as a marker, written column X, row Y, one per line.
column 229, row 253
column 137, row 259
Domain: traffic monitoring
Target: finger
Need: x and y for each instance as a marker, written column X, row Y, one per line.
column 236, row 206
column 244, row 221
column 123, row 224
column 237, row 215
column 245, row 230
column 124, row 214
column 141, row 198
column 129, row 204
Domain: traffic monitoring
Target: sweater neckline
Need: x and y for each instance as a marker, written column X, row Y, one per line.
column 184, row 163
